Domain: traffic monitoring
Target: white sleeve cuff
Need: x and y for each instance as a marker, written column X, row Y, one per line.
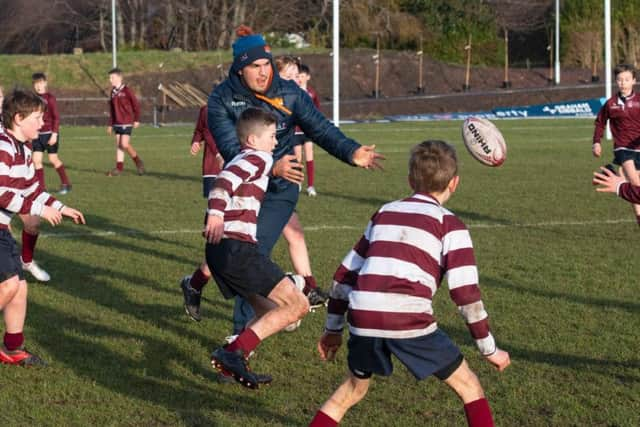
column 215, row 212
column 36, row 208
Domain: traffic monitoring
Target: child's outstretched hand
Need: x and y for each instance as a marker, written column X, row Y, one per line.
column 52, row 215
column 608, row 180
column 500, row 359
column 75, row 215
column 214, row 229
column 328, row 345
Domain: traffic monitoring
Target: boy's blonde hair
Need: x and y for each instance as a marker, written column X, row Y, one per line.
column 432, row 165
column 253, row 121
column 285, row 60
column 22, row 103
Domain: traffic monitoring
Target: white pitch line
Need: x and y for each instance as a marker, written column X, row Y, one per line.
column 314, row 228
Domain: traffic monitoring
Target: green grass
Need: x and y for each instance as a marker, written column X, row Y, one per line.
column 557, row 264
column 83, row 72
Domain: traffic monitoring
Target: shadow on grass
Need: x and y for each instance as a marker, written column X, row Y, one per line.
column 91, row 283
column 370, row 201
column 577, row 363
column 467, row 217
column 106, row 225
column 147, row 376
column 130, row 171
column 632, row 307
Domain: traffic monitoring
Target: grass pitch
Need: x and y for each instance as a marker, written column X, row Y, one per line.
column 557, row 267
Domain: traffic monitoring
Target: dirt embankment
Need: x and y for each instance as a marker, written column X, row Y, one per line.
column 398, row 86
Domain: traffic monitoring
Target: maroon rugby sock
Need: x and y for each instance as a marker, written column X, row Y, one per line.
column 322, row 420
column 13, row 342
column 310, row 173
column 40, row 176
column 478, row 413
column 28, row 246
column 136, row 160
column 198, row 280
column 309, row 284
column 62, row 173
column 247, row 341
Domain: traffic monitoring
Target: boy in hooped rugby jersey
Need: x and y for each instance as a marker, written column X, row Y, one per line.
column 237, row 265
column 386, row 285
column 20, row 192
column 124, row 117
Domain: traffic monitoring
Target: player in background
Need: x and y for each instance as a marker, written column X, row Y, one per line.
column 304, row 75
column 49, row 136
column 622, row 111
column 20, row 192
column 124, row 117
column 212, row 163
column 293, row 232
column 387, row 282
column 238, row 267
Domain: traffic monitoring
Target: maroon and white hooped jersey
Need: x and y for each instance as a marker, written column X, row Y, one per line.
column 20, row 190
column 238, row 193
column 387, row 281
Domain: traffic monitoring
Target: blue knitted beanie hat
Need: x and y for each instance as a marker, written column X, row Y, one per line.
column 248, row 47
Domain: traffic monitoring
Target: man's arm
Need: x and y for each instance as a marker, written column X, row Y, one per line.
column 222, row 126
column 322, row 131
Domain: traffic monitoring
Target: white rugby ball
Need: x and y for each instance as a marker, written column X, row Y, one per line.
column 484, row 141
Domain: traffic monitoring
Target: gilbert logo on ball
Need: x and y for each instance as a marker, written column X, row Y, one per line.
column 484, row 141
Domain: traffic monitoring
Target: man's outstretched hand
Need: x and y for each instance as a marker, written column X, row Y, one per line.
column 367, row 157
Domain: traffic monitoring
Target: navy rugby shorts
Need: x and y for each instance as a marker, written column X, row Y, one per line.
column 240, row 269
column 426, row 355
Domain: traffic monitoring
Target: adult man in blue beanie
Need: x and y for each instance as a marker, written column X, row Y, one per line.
column 253, row 82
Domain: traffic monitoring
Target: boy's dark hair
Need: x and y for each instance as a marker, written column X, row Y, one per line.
column 115, row 70
column 432, row 165
column 22, row 103
column 621, row 68
column 251, row 121
column 304, row 69
column 36, row 77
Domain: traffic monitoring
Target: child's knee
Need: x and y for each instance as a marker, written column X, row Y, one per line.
column 465, row 383
column 9, row 290
column 302, row 305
